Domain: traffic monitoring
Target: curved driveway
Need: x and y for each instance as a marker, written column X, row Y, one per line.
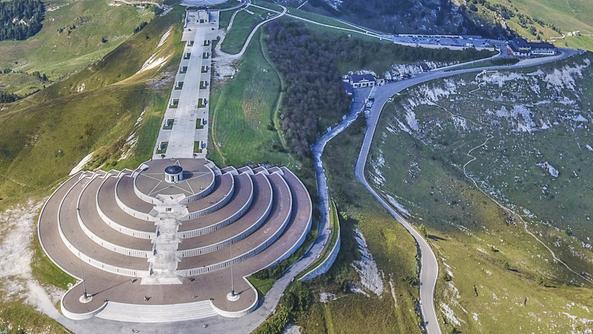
column 223, row 55
column 429, row 267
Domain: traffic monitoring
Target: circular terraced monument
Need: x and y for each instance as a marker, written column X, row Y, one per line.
column 172, row 240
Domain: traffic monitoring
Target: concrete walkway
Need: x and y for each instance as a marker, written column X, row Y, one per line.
column 188, row 107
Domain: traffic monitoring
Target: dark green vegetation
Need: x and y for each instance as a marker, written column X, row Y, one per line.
column 20, row 19
column 295, row 301
column 411, row 16
column 314, row 97
column 495, row 275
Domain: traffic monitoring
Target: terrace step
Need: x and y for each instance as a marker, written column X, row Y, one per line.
column 256, row 242
column 157, row 313
column 238, row 230
column 236, row 207
column 101, row 233
column 85, row 248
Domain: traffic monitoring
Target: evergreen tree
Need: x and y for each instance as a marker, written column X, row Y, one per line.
column 20, row 19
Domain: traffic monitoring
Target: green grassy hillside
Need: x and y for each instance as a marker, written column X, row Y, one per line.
column 74, row 35
column 244, row 22
column 495, row 275
column 112, row 108
column 243, row 131
column 91, row 111
column 546, row 19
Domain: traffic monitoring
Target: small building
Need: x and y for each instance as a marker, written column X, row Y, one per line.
column 203, row 16
column 542, row 49
column 519, row 47
column 173, row 174
column 362, row 80
column 365, row 80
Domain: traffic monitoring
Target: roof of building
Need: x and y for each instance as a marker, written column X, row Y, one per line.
column 174, row 169
column 517, row 44
column 541, row 45
column 362, row 77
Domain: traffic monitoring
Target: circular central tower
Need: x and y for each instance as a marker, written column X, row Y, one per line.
column 173, row 174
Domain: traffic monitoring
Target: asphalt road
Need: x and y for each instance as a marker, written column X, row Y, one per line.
column 223, row 55
column 429, row 265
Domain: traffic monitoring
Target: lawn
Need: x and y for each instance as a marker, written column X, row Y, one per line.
column 225, row 18
column 24, row 319
column 44, row 270
column 244, row 22
column 262, row 285
column 242, row 110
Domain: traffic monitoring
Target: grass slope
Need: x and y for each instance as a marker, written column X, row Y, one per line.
column 48, row 133
column 59, row 126
column 83, row 24
column 242, row 112
column 244, row 22
column 495, row 277
column 392, row 247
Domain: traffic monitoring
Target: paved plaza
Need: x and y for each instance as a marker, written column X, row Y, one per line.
column 148, row 250
column 176, row 238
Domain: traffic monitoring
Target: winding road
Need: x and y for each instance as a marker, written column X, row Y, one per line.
column 429, row 264
column 429, row 267
column 226, row 56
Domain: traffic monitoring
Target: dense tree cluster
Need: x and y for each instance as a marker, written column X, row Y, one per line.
column 314, row 89
column 20, row 19
column 7, row 97
column 308, row 62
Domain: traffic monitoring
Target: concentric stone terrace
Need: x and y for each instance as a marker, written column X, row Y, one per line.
column 172, row 240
